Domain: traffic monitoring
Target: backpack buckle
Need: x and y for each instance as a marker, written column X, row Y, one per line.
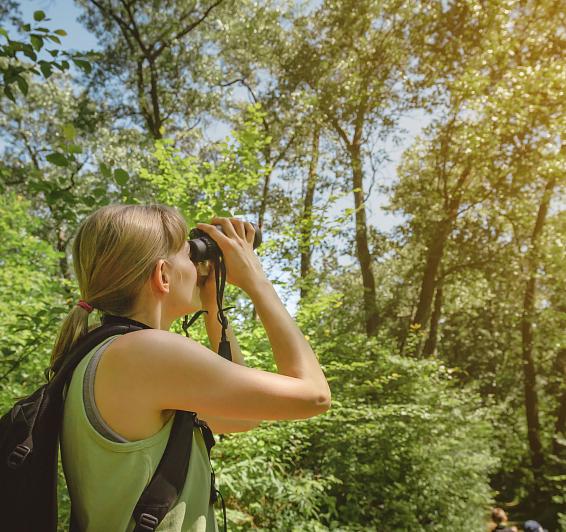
column 148, row 522
column 17, row 456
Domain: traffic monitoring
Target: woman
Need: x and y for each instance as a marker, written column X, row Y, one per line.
column 134, row 261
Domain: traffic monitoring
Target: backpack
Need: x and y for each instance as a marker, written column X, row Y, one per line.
column 29, row 446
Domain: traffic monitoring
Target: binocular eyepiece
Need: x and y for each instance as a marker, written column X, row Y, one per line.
column 204, row 248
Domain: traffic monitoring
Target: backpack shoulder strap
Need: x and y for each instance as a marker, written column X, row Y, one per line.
column 169, row 478
column 167, row 483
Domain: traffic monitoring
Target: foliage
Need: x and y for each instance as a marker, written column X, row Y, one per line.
column 419, row 443
column 203, row 189
column 29, row 297
column 16, row 71
column 413, row 440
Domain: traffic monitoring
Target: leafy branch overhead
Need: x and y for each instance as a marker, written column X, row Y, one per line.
column 20, row 59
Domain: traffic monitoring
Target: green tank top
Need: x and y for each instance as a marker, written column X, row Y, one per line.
column 105, row 477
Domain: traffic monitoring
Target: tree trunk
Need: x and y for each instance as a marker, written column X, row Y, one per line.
column 265, row 191
column 560, row 425
column 433, row 259
column 263, row 206
column 306, row 219
column 529, row 370
column 431, row 342
column 436, row 247
column 362, row 248
column 62, row 247
column 155, row 104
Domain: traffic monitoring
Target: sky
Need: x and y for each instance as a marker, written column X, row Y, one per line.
column 64, row 14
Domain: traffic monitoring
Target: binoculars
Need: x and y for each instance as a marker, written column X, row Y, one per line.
column 204, row 248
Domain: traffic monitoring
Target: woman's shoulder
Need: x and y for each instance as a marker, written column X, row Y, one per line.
column 144, row 339
column 151, row 340
column 121, row 390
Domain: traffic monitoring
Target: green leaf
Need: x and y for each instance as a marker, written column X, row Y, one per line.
column 23, row 85
column 9, row 76
column 53, row 196
column 54, row 38
column 224, row 213
column 45, row 69
column 84, row 65
column 74, row 148
column 4, row 33
column 65, row 65
column 89, row 201
column 63, row 33
column 40, row 186
column 105, row 171
column 121, row 176
column 100, row 192
column 8, row 92
column 37, row 42
column 68, row 197
column 69, row 131
column 54, row 53
column 57, row 159
column 38, row 15
column 31, row 54
column 26, row 27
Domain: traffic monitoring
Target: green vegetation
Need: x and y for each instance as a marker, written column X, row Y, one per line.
column 442, row 338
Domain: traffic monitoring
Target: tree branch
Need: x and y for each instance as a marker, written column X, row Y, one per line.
column 186, row 30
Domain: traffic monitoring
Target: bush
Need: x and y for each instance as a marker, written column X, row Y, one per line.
column 402, row 447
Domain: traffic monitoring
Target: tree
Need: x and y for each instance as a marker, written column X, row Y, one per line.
column 353, row 59
column 161, row 51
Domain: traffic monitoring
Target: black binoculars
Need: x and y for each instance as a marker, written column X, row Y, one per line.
column 204, row 248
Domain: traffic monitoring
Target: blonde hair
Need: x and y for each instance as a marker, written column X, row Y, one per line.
column 115, row 251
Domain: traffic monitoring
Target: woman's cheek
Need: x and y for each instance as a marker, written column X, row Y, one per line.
column 195, row 297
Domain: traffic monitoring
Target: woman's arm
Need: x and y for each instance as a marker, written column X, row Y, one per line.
column 214, row 331
column 221, row 425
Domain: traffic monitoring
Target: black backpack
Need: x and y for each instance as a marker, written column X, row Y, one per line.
column 29, row 446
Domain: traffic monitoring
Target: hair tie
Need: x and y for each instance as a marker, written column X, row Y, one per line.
column 85, row 305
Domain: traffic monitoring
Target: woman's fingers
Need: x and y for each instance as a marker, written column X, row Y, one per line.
column 235, row 240
column 220, row 238
column 250, row 232
column 232, row 227
column 227, row 226
column 239, row 227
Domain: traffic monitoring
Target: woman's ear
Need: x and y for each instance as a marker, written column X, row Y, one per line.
column 160, row 276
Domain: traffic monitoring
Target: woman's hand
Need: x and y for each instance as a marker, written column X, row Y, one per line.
column 207, row 292
column 243, row 268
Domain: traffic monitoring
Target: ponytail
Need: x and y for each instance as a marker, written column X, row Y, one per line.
column 74, row 326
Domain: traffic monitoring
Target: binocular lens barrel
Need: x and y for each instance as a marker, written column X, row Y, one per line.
column 205, row 248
